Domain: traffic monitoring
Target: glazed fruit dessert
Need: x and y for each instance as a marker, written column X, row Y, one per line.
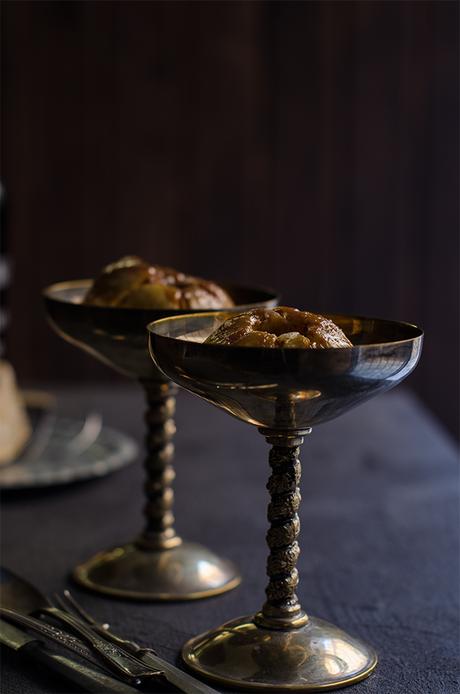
column 132, row 283
column 279, row 327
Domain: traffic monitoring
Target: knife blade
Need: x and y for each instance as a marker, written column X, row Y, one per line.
column 86, row 678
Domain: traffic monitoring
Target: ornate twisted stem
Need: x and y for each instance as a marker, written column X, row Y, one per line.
column 282, row 609
column 159, row 532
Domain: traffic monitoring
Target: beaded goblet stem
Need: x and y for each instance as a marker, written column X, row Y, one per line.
column 159, row 532
column 281, row 647
column 158, row 565
column 282, row 609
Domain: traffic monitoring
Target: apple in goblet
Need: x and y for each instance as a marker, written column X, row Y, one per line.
column 283, row 373
column 108, row 319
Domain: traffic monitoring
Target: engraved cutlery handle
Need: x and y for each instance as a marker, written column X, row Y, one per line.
column 125, row 665
column 179, row 679
column 67, row 600
column 89, row 679
column 130, row 646
column 50, row 632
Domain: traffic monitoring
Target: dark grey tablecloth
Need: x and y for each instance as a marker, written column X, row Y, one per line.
column 379, row 533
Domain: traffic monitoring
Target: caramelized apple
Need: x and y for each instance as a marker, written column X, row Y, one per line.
column 132, row 283
column 279, row 327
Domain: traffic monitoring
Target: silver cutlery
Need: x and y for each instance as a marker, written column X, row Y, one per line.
column 67, row 602
column 178, row 678
column 19, row 595
column 49, row 631
column 120, row 661
column 86, row 678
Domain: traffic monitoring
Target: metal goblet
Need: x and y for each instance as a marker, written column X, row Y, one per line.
column 157, row 565
column 283, row 392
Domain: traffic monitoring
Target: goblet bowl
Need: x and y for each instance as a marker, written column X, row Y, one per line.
column 117, row 335
column 288, row 389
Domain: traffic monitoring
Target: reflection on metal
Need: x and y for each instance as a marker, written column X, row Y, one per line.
column 317, row 656
column 287, row 389
column 306, row 394
column 171, row 574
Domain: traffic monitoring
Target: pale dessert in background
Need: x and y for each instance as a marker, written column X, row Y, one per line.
column 279, row 327
column 133, row 283
column 15, row 428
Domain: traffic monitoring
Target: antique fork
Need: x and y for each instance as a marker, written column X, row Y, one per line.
column 89, row 679
column 71, row 643
column 178, row 678
column 68, row 603
column 119, row 660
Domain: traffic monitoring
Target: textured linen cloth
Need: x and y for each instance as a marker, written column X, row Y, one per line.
column 379, row 533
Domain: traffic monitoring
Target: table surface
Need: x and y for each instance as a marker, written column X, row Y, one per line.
column 379, row 532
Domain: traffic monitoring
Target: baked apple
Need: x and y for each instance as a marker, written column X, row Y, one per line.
column 279, row 327
column 133, row 283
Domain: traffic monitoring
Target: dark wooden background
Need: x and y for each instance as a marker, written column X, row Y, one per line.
column 308, row 146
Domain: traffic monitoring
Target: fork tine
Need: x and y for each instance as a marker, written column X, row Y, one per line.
column 60, row 602
column 80, row 610
column 57, row 601
column 52, row 599
column 67, row 599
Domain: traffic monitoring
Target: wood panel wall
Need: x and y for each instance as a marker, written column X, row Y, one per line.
column 308, row 146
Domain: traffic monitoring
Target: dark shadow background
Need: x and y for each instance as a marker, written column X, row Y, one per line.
column 308, row 146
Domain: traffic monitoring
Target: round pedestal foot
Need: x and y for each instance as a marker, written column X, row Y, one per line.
column 185, row 572
column 316, row 657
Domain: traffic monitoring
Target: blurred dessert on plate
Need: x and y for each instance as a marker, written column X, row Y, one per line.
column 15, row 429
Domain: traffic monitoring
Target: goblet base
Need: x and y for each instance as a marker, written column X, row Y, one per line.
column 316, row 657
column 185, row 572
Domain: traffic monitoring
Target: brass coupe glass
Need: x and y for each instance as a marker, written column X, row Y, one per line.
column 283, row 392
column 157, row 565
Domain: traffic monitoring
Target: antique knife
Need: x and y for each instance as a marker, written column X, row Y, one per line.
column 88, row 679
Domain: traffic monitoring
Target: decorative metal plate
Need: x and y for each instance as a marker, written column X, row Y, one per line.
column 64, row 450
